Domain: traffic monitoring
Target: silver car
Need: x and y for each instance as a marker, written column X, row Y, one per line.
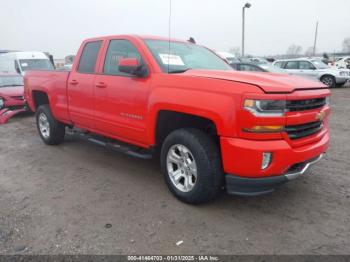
column 315, row 68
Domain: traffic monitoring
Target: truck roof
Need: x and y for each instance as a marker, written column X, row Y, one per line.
column 142, row 37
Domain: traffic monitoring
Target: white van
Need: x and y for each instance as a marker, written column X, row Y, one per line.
column 19, row 62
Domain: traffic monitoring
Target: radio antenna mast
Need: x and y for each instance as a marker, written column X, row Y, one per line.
column 169, row 32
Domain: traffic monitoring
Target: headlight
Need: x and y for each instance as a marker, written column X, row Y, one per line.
column 1, row 102
column 265, row 108
column 344, row 73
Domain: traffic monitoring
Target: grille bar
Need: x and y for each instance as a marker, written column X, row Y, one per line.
column 300, row 131
column 301, row 105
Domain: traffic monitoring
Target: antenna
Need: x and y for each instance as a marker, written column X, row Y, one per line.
column 169, row 32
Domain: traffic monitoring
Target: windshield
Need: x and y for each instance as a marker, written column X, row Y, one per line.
column 35, row 64
column 184, row 56
column 319, row 64
column 11, row 81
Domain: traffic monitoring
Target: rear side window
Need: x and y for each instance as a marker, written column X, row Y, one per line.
column 88, row 57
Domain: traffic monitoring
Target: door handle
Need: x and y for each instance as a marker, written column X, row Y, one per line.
column 101, row 85
column 74, row 82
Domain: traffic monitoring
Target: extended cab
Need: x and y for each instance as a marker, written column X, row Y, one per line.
column 212, row 126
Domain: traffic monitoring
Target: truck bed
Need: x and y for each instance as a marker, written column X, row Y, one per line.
column 53, row 83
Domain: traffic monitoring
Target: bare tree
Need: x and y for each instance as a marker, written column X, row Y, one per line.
column 294, row 50
column 346, row 45
column 235, row 50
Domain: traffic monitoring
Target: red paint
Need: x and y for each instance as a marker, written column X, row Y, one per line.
column 126, row 108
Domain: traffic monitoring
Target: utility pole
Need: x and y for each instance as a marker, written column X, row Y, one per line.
column 247, row 5
column 314, row 50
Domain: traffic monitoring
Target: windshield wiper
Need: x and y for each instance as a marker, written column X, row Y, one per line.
column 179, row 71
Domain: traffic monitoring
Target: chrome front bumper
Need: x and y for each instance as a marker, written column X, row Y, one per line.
column 290, row 175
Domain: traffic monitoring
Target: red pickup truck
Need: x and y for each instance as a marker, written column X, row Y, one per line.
column 213, row 127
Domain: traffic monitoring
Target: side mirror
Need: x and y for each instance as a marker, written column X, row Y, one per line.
column 132, row 66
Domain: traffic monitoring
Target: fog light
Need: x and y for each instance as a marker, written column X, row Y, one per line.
column 266, row 160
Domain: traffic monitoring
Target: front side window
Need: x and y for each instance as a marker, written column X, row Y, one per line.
column 117, row 50
column 305, row 65
column 88, row 57
column 292, row 65
column 6, row 81
column 35, row 64
column 177, row 57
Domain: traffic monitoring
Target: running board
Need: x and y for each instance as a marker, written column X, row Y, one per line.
column 114, row 145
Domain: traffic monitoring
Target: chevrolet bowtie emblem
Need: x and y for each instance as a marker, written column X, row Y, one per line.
column 321, row 115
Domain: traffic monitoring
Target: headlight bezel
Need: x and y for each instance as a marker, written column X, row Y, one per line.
column 266, row 107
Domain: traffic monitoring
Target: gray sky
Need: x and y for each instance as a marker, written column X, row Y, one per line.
column 272, row 25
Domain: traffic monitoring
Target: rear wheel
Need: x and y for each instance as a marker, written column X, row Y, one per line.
column 328, row 80
column 51, row 131
column 191, row 165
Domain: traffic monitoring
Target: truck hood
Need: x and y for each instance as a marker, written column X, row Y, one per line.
column 12, row 91
column 268, row 82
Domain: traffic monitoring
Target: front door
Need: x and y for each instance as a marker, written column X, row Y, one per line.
column 121, row 99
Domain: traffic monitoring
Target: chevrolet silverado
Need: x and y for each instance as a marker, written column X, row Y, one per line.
column 211, row 126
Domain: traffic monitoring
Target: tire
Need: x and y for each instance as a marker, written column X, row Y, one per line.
column 207, row 183
column 328, row 80
column 340, row 84
column 55, row 130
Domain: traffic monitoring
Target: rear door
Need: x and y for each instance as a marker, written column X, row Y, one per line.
column 121, row 99
column 81, row 86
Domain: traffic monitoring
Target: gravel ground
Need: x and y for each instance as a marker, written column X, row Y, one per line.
column 78, row 198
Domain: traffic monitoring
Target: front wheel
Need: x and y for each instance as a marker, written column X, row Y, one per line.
column 328, row 80
column 51, row 131
column 191, row 165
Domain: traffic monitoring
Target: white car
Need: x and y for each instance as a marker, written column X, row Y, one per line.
column 315, row 68
column 19, row 62
column 343, row 62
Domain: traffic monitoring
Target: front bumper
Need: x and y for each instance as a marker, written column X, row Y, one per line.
column 243, row 157
column 258, row 186
column 342, row 79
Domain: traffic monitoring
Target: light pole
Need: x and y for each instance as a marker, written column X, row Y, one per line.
column 314, row 49
column 247, row 5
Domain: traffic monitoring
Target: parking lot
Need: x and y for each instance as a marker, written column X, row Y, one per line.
column 81, row 198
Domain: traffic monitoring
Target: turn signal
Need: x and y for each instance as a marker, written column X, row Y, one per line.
column 264, row 129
